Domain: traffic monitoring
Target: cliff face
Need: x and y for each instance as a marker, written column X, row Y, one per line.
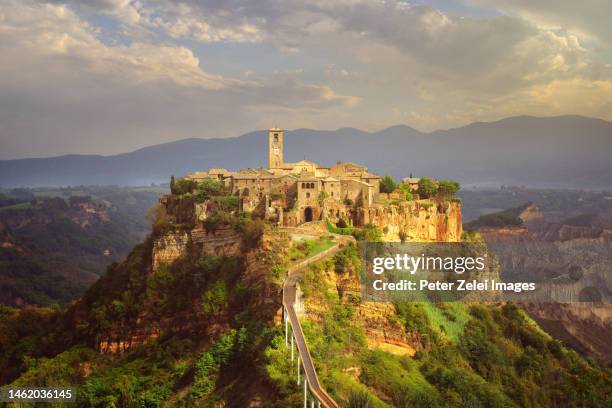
column 531, row 213
column 171, row 246
column 379, row 319
column 562, row 232
column 584, row 326
column 416, row 221
column 180, row 251
column 572, row 263
column 186, row 248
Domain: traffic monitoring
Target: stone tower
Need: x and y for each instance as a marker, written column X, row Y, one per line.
column 275, row 148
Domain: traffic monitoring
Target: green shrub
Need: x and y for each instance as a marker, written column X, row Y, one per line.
column 208, row 188
column 183, row 186
column 337, row 230
column 218, row 219
column 253, row 232
column 427, row 187
column 369, row 233
column 360, row 399
column 227, row 203
column 388, row 184
column 214, row 299
column 446, row 188
column 405, row 188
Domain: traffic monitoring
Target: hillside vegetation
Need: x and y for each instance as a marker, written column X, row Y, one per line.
column 202, row 330
column 467, row 355
column 55, row 243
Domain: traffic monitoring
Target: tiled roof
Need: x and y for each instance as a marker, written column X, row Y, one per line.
column 330, row 179
column 217, row 170
column 242, row 176
column 351, row 164
column 197, row 175
column 356, row 181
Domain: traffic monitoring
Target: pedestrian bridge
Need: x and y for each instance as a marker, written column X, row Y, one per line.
column 313, row 390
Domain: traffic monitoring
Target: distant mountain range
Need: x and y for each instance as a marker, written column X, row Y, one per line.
column 555, row 152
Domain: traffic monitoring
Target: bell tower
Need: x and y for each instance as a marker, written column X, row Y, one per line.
column 275, row 148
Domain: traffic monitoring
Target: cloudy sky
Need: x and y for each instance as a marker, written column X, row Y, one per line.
column 109, row 76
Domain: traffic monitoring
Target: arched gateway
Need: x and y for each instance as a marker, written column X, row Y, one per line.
column 308, row 214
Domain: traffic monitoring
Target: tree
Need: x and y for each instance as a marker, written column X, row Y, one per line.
column 208, row 188
column 322, row 197
column 446, row 188
column 427, row 187
column 214, row 299
column 388, row 184
column 184, row 186
column 405, row 188
column 172, row 184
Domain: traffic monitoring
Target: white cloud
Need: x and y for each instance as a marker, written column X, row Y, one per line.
column 64, row 90
column 324, row 64
column 591, row 17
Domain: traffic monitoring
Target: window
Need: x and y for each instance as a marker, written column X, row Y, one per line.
column 307, row 195
column 276, row 137
column 332, row 193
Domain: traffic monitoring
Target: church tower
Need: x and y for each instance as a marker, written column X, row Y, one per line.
column 275, row 148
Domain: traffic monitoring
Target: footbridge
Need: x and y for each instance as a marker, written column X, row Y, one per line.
column 313, row 391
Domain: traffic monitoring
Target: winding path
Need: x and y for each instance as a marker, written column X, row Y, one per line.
column 289, row 299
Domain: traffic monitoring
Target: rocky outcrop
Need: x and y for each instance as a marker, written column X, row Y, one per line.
column 570, row 265
column 509, row 232
column 531, row 213
column 563, row 232
column 416, row 221
column 172, row 245
column 379, row 319
column 168, row 248
column 584, row 326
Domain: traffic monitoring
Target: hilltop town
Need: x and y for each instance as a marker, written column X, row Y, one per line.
column 345, row 194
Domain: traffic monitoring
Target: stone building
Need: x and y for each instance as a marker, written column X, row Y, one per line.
column 294, row 193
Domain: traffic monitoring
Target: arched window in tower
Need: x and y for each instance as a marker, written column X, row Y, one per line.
column 276, row 138
column 307, row 195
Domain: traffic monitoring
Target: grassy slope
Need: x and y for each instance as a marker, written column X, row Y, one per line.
column 471, row 356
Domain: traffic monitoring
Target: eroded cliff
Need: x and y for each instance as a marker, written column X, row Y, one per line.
column 416, row 220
